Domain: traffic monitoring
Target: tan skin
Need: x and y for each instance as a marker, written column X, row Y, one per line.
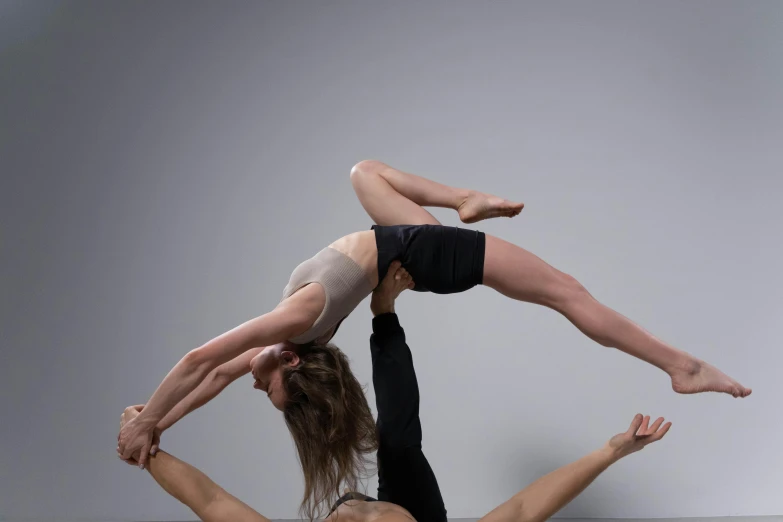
column 536, row 503
column 393, row 197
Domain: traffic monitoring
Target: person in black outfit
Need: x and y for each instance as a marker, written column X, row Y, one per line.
column 405, row 477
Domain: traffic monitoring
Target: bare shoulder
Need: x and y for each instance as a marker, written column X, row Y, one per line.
column 361, row 511
column 303, row 306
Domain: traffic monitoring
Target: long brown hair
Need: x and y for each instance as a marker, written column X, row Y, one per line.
column 331, row 423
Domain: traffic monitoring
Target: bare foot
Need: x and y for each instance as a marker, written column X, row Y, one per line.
column 698, row 376
column 478, row 206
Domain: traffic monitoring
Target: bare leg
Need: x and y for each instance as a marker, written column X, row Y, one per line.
column 516, row 273
column 393, row 197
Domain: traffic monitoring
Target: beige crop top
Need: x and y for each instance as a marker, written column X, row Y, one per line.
column 344, row 282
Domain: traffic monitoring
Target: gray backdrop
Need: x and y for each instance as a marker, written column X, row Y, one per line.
column 165, row 165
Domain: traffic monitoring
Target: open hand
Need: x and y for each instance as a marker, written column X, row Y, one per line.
column 639, row 435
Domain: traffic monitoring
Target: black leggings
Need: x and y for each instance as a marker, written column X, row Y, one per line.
column 442, row 260
column 404, row 475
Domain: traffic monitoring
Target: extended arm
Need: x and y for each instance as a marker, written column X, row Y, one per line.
column 210, row 387
column 549, row 494
column 209, row 502
column 291, row 318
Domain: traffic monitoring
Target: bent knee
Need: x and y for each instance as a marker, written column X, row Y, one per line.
column 365, row 168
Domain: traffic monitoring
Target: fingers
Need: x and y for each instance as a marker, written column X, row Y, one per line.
column 636, row 423
column 125, row 452
column 405, row 278
column 145, row 454
column 400, row 275
column 658, row 435
column 132, row 411
column 644, row 429
column 130, row 461
column 393, row 269
column 656, row 425
column 648, row 434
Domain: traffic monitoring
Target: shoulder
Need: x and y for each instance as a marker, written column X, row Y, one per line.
column 306, row 303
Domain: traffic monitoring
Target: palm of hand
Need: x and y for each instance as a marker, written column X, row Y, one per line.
column 639, row 435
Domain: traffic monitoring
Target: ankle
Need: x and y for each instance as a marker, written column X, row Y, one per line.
column 685, row 364
column 460, row 197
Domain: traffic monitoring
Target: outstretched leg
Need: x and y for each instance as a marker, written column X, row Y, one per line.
column 516, row 273
column 393, row 197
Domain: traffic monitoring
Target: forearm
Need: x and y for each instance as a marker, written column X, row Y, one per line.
column 182, row 481
column 189, row 372
column 209, row 501
column 209, row 388
column 549, row 494
column 181, row 381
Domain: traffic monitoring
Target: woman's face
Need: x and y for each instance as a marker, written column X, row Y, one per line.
column 267, row 369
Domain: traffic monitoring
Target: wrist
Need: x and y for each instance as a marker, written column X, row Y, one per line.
column 610, row 454
column 147, row 420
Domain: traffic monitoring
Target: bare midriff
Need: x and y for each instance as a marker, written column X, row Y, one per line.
column 361, row 511
column 361, row 248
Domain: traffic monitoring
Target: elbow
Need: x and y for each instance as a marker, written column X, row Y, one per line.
column 198, row 362
column 220, row 378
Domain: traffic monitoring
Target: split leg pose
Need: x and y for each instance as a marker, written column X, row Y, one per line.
column 408, row 489
column 395, row 198
column 308, row 379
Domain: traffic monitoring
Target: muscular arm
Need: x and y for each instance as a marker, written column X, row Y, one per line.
column 210, row 387
column 209, row 502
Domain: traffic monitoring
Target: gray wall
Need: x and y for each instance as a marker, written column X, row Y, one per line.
column 165, row 165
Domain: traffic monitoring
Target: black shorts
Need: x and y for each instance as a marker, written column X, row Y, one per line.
column 441, row 260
